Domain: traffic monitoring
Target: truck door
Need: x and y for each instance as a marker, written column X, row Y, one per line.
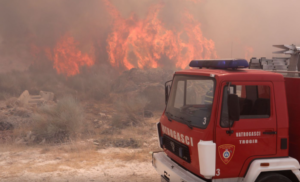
column 253, row 135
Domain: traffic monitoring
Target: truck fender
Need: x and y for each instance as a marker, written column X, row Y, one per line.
column 268, row 165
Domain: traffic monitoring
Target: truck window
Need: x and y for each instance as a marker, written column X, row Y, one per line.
column 191, row 99
column 199, row 92
column 254, row 101
column 178, row 103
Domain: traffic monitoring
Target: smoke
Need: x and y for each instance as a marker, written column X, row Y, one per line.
column 237, row 25
column 237, row 28
column 27, row 27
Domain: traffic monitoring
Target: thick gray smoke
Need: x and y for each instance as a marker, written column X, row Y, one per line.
column 238, row 28
column 43, row 23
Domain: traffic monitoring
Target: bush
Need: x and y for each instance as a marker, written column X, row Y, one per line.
column 92, row 83
column 130, row 111
column 59, row 122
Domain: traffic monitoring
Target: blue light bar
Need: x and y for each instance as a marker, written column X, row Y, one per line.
column 220, row 63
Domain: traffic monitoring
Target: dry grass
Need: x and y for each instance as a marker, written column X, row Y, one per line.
column 105, row 142
column 130, row 111
column 60, row 122
column 21, row 111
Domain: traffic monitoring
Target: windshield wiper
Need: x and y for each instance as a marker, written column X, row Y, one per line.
column 187, row 122
column 194, row 107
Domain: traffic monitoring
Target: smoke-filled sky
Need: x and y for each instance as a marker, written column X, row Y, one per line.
column 140, row 33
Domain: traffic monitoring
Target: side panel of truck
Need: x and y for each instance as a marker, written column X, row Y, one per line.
column 293, row 102
column 282, row 126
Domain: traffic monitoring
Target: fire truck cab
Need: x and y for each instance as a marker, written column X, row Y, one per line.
column 228, row 123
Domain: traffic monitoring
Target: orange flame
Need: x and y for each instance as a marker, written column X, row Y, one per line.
column 68, row 58
column 136, row 43
column 145, row 43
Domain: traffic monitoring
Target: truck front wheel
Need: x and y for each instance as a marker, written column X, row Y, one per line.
column 272, row 177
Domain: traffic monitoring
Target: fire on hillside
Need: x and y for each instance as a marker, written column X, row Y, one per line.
column 134, row 43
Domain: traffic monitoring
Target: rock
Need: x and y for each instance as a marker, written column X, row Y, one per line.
column 24, row 97
column 47, row 96
column 103, row 115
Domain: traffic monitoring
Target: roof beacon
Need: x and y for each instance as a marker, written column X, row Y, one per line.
column 220, row 63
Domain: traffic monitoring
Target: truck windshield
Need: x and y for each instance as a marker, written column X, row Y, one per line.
column 190, row 100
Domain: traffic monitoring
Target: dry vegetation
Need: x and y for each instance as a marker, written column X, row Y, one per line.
column 58, row 123
column 94, row 123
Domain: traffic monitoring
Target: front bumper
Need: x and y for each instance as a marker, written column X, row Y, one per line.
column 167, row 168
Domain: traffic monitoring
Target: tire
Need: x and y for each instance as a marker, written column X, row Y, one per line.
column 272, row 177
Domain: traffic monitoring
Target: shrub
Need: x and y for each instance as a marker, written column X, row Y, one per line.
column 57, row 123
column 21, row 111
column 92, row 83
column 130, row 111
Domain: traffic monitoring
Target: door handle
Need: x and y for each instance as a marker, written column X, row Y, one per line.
column 269, row 132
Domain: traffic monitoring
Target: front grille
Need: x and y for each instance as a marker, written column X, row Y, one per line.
column 177, row 148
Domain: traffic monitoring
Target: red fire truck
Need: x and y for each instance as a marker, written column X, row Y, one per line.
column 224, row 122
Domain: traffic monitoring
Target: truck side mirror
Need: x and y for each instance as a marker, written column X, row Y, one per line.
column 233, row 107
column 167, row 90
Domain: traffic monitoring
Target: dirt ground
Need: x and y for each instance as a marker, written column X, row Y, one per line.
column 33, row 166
column 75, row 162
